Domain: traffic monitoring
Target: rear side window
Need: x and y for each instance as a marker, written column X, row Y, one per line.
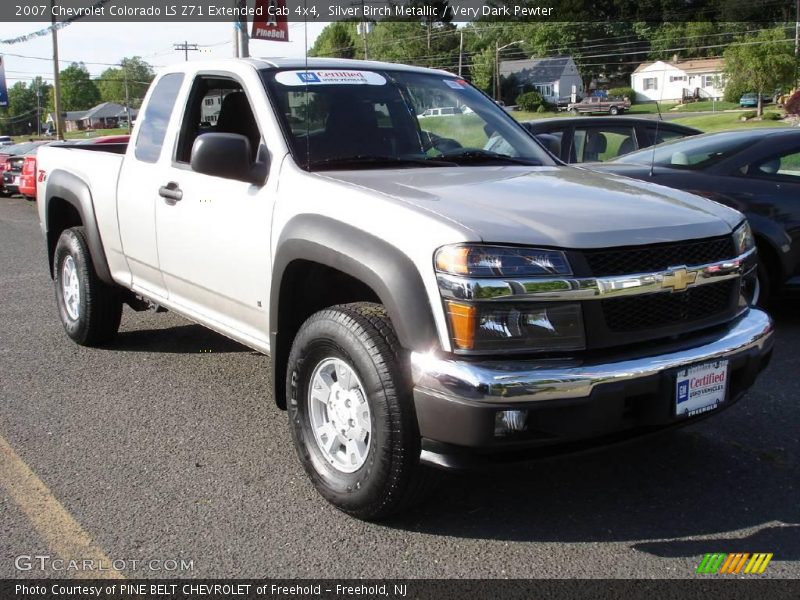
column 156, row 117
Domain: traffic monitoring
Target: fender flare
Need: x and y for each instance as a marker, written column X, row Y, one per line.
column 390, row 273
column 775, row 236
column 76, row 192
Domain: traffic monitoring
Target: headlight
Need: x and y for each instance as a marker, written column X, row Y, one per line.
column 475, row 260
column 743, row 238
column 523, row 326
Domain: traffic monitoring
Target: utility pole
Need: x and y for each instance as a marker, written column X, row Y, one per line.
column 127, row 98
column 497, row 49
column 797, row 44
column 39, row 109
column 186, row 47
column 240, row 30
column 56, row 78
column 461, row 52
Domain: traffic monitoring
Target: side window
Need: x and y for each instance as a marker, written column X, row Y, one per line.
column 785, row 167
column 156, row 118
column 663, row 136
column 593, row 144
column 216, row 104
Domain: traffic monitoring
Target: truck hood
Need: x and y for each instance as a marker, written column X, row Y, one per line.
column 566, row 207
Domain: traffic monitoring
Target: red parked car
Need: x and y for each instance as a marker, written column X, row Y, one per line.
column 28, row 177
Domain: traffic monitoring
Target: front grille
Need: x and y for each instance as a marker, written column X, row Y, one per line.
column 651, row 311
column 648, row 259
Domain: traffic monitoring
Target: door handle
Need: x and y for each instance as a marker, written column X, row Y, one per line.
column 170, row 192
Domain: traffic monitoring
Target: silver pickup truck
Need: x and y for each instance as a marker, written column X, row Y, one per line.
column 427, row 303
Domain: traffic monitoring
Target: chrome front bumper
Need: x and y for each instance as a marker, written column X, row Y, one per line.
column 569, row 403
column 517, row 381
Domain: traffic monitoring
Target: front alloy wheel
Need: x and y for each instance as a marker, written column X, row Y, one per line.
column 340, row 415
column 351, row 411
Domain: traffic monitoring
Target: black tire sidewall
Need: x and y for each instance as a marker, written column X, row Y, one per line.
column 70, row 243
column 327, row 338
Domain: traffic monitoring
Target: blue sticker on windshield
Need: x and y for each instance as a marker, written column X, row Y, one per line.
column 456, row 84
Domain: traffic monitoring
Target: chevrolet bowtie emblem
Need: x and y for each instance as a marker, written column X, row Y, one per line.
column 678, row 279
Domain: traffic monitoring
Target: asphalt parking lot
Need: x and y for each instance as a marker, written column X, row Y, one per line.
column 167, row 446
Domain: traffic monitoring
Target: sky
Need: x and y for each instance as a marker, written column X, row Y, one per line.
column 100, row 45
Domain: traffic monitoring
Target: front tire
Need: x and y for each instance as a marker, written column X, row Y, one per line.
column 89, row 309
column 614, row 110
column 351, row 412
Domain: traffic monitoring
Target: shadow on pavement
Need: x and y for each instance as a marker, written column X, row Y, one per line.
column 784, row 541
column 183, row 339
column 736, row 470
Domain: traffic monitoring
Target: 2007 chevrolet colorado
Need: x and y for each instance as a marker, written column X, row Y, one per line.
column 426, row 302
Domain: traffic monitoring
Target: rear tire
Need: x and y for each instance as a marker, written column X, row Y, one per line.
column 614, row 110
column 89, row 309
column 347, row 358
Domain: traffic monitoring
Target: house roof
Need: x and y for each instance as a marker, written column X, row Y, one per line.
column 693, row 65
column 74, row 115
column 537, row 70
column 106, row 110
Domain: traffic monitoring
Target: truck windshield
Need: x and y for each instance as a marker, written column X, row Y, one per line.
column 362, row 119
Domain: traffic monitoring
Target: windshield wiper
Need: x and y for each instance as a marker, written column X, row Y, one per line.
column 485, row 156
column 371, row 161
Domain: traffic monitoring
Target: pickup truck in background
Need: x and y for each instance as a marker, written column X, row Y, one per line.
column 426, row 303
column 596, row 104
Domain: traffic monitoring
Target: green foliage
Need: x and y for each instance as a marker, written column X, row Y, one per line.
column 735, row 89
column 748, row 114
column 78, row 91
column 771, row 116
column 337, row 40
column 542, row 108
column 622, row 92
column 482, row 70
column 764, row 61
column 138, row 73
column 792, row 106
column 530, row 101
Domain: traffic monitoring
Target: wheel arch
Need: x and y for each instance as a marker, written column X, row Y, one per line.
column 371, row 270
column 68, row 203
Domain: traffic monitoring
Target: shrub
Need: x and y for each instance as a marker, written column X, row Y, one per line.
column 734, row 90
column 749, row 114
column 771, row 116
column 622, row 92
column 542, row 108
column 792, row 106
column 530, row 101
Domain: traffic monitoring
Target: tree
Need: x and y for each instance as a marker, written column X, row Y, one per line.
column 763, row 62
column 78, row 90
column 337, row 40
column 20, row 116
column 138, row 73
column 482, row 70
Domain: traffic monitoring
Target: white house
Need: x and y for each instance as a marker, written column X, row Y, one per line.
column 677, row 79
column 552, row 77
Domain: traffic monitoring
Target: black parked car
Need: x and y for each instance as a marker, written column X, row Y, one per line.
column 755, row 171
column 589, row 139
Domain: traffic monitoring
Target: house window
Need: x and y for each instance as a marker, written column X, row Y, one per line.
column 544, row 89
column 710, row 81
column 677, row 78
column 650, row 83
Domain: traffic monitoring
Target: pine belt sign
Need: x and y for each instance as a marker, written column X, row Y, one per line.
column 271, row 22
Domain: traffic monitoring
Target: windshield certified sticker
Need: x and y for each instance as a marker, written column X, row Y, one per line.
column 456, row 84
column 329, row 77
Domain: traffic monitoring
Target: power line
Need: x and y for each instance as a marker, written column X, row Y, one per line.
column 186, row 47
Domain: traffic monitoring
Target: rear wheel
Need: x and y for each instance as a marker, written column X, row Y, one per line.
column 89, row 309
column 573, row 112
column 614, row 110
column 351, row 412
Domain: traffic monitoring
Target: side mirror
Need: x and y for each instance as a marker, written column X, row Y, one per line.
column 228, row 155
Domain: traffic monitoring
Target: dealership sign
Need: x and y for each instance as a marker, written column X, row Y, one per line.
column 271, row 22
